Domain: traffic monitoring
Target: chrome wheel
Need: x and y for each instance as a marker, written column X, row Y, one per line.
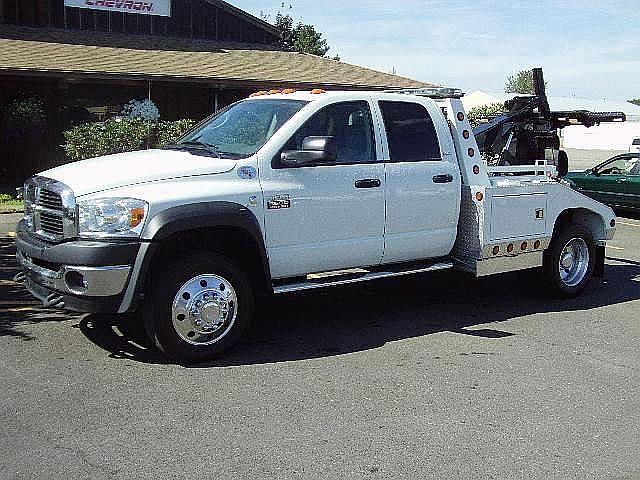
column 574, row 262
column 204, row 309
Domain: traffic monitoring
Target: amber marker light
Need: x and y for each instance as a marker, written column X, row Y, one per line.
column 536, row 244
column 136, row 217
column 524, row 246
column 466, row 134
column 479, row 196
column 496, row 250
column 476, row 169
column 460, row 116
column 510, row 248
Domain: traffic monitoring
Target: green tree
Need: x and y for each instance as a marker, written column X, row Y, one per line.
column 303, row 38
column 484, row 113
column 521, row 82
column 635, row 101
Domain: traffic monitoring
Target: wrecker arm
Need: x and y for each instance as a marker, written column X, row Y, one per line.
column 529, row 127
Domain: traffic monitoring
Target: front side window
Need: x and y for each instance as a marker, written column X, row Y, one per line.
column 349, row 122
column 621, row 166
column 410, row 132
column 242, row 129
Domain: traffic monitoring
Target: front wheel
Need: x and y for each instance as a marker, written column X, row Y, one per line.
column 570, row 260
column 199, row 305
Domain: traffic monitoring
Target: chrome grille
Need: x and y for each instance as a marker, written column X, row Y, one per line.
column 51, row 223
column 49, row 199
column 50, row 209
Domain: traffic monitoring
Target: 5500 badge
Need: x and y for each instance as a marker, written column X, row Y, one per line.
column 279, row 201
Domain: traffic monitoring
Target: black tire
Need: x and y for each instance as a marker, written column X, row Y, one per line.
column 552, row 268
column 166, row 283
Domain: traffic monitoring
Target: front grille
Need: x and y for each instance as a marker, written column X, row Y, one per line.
column 51, row 206
column 49, row 199
column 51, row 223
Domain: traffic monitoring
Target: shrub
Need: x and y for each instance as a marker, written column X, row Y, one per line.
column 120, row 135
column 7, row 200
column 25, row 111
column 168, row 132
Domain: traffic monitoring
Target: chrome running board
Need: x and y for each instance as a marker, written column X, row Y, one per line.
column 356, row 275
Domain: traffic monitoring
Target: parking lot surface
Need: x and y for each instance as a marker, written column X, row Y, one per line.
column 439, row 376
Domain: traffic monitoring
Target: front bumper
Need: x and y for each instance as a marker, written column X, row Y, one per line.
column 83, row 276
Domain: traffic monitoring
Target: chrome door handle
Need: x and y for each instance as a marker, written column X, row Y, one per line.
column 368, row 183
column 622, row 180
column 448, row 178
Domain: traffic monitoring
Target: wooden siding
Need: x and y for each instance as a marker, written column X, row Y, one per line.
column 190, row 19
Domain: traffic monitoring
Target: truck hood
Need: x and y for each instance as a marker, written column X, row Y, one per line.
column 122, row 169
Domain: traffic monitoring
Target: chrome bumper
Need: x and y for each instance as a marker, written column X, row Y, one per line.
column 78, row 280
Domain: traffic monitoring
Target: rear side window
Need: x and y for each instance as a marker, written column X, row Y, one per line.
column 410, row 132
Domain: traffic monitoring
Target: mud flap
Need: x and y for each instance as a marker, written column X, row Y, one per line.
column 598, row 270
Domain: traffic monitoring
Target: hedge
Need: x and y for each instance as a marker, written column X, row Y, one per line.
column 121, row 135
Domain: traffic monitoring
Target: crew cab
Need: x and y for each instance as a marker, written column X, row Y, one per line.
column 288, row 191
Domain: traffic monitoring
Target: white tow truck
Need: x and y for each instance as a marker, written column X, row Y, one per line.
column 288, row 191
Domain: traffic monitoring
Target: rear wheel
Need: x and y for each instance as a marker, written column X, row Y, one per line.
column 198, row 306
column 570, row 260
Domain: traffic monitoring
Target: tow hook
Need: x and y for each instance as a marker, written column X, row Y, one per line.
column 53, row 300
column 19, row 277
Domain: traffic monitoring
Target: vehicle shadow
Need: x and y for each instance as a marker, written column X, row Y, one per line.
column 367, row 316
column 340, row 320
column 625, row 214
column 17, row 306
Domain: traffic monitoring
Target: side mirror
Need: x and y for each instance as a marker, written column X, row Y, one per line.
column 314, row 150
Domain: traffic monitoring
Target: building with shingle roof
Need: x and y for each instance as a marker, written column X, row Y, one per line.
column 86, row 58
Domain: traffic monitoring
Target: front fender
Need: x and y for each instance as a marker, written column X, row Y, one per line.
column 188, row 217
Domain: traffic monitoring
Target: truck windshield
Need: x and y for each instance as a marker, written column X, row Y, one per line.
column 241, row 129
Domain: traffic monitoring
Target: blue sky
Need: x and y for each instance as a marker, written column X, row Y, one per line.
column 587, row 48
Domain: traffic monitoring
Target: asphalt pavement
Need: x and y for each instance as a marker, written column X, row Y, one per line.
column 439, row 376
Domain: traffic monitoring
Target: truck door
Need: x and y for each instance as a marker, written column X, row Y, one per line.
column 423, row 182
column 327, row 216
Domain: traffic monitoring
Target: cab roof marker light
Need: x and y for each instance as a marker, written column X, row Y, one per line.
column 287, row 91
column 317, row 91
column 435, row 92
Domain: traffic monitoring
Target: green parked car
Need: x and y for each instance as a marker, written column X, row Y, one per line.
column 615, row 182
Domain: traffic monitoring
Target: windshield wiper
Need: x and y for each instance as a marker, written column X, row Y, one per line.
column 194, row 145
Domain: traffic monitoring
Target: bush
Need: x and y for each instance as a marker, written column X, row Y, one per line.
column 168, row 132
column 25, row 111
column 8, row 201
column 120, row 135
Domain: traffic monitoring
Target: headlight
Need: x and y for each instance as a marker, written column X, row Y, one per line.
column 29, row 197
column 111, row 217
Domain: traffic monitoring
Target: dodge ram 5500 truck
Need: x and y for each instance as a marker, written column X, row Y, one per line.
column 288, row 191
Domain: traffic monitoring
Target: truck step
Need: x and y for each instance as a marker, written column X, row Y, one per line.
column 355, row 275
